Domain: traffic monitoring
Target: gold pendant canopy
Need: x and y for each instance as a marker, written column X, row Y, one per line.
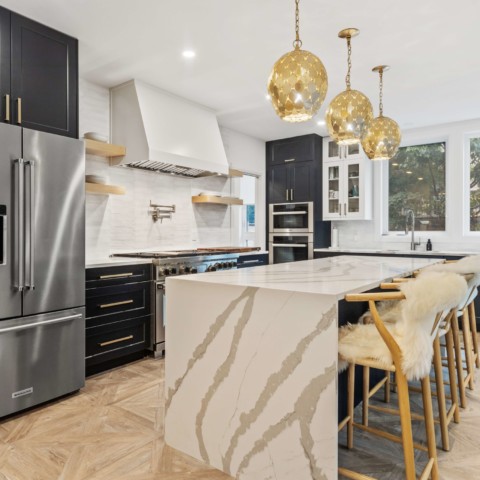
column 297, row 86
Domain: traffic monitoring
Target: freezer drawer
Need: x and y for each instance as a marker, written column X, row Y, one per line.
column 41, row 357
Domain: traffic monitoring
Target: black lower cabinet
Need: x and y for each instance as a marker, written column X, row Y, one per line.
column 119, row 316
column 253, row 260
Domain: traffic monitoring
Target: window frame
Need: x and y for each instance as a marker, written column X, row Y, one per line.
column 382, row 179
column 466, row 183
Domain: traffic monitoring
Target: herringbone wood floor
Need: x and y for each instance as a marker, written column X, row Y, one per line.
column 113, row 430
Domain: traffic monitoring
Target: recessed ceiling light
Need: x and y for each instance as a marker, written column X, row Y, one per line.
column 409, row 172
column 189, row 54
column 268, row 97
column 321, row 123
column 420, row 178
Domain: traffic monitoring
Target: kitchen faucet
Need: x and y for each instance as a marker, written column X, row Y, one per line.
column 409, row 213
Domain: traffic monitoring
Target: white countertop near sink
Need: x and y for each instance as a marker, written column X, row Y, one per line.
column 396, row 251
column 334, row 276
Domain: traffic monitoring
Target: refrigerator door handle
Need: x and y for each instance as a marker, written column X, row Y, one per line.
column 40, row 324
column 31, row 225
column 19, row 223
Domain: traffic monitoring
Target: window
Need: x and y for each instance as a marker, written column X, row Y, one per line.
column 474, row 184
column 244, row 231
column 417, row 182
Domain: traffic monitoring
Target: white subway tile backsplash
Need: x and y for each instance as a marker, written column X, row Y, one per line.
column 116, row 223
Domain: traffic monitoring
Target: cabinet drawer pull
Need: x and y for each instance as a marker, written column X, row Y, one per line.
column 116, row 275
column 117, row 340
column 19, row 110
column 116, row 304
column 289, row 160
column 7, row 107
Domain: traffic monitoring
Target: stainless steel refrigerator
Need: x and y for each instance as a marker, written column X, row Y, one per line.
column 42, row 267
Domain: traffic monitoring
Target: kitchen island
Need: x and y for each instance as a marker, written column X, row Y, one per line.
column 251, row 363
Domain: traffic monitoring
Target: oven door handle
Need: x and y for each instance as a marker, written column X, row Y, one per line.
column 290, row 245
column 300, row 212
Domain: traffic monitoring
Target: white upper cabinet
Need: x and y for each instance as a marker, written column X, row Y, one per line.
column 347, row 183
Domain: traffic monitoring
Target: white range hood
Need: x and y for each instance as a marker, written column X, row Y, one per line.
column 165, row 133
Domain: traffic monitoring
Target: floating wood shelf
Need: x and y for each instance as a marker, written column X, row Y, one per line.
column 102, row 149
column 101, row 189
column 232, row 172
column 216, row 200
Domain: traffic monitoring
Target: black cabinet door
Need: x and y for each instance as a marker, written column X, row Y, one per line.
column 5, row 108
column 278, row 184
column 291, row 150
column 44, row 78
column 301, row 182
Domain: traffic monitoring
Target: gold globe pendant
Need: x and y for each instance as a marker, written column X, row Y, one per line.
column 297, row 86
column 348, row 117
column 382, row 139
column 350, row 112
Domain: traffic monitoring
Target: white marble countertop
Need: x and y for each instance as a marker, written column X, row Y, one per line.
column 395, row 251
column 335, row 276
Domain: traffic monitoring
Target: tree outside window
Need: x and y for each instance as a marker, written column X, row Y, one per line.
column 417, row 182
column 475, row 184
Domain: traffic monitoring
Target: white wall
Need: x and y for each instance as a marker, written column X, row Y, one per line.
column 115, row 223
column 370, row 234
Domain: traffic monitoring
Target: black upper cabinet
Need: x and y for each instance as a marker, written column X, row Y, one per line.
column 291, row 183
column 42, row 66
column 290, row 150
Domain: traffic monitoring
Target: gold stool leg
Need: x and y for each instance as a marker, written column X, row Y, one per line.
column 429, row 425
column 451, row 375
column 473, row 328
column 458, row 362
column 440, row 389
column 366, row 394
column 406, row 423
column 467, row 342
column 350, row 405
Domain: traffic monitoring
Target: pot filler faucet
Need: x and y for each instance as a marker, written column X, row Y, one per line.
column 409, row 214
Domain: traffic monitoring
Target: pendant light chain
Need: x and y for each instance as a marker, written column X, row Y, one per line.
column 297, row 43
column 381, row 92
column 349, row 46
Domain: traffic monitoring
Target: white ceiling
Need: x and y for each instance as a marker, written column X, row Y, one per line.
column 432, row 46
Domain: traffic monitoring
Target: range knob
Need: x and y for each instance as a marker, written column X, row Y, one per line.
column 166, row 271
column 224, row 265
column 212, row 268
column 173, row 271
column 186, row 269
column 193, row 270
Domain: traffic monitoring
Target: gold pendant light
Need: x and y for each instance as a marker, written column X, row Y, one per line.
column 350, row 112
column 298, row 83
column 383, row 136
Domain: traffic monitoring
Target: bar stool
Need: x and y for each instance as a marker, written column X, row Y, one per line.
column 406, row 348
column 445, row 416
column 466, row 318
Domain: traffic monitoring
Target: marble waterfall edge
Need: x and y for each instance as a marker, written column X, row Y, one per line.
column 251, row 380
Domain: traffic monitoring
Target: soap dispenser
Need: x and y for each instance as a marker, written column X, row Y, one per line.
column 429, row 245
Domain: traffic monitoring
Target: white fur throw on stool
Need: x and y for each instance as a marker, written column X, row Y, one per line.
column 426, row 296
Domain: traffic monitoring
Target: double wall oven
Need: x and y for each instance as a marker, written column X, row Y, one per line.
column 290, row 237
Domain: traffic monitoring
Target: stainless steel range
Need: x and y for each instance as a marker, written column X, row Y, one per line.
column 170, row 264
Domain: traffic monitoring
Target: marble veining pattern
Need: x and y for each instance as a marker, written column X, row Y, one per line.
column 263, row 403
column 327, row 276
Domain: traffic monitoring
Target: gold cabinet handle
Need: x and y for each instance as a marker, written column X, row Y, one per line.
column 117, row 340
column 7, row 107
column 116, row 275
column 116, row 304
column 19, row 110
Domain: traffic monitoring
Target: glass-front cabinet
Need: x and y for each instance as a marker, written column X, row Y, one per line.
column 347, row 187
column 332, row 151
